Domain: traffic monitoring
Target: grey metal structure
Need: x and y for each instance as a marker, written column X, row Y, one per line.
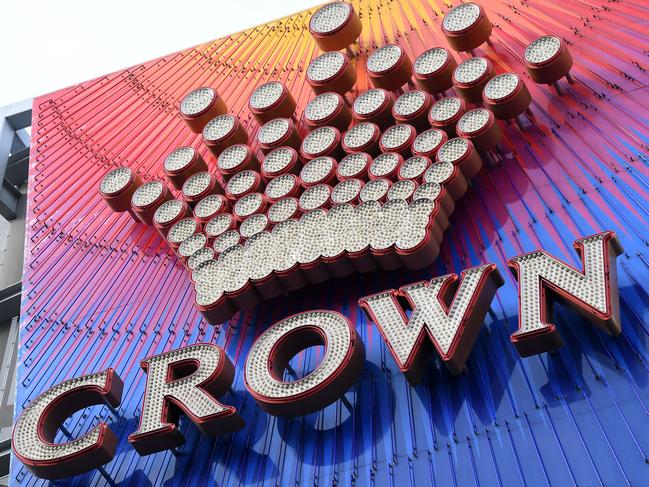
column 15, row 123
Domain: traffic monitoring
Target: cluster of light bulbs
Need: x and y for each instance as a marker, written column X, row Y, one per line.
column 380, row 148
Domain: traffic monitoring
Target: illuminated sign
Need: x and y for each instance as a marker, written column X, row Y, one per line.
column 365, row 175
column 446, row 312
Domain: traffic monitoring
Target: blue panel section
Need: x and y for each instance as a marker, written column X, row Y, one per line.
column 575, row 416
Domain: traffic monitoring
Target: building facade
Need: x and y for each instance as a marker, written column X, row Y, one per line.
column 101, row 290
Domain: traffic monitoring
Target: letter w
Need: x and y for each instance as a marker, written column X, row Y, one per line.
column 448, row 310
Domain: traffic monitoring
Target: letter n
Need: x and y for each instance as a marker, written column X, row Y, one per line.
column 542, row 279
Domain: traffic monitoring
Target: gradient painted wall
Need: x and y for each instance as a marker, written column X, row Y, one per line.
column 100, row 290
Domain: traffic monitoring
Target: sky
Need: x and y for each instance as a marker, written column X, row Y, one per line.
column 46, row 45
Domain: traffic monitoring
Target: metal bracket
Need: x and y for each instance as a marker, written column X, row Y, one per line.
column 14, row 154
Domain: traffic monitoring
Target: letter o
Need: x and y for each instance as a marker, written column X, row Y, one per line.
column 270, row 354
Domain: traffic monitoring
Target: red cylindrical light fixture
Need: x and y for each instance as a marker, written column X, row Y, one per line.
column 198, row 257
column 191, row 245
column 323, row 141
column 182, row 163
column 398, row 138
column 331, row 72
column 362, row 137
column 335, row 26
column 253, row 225
column 199, row 186
column 282, row 160
column 466, row 26
column 271, row 100
column 480, row 127
column 242, row 183
column 428, row 143
column 219, row 225
column 117, row 188
column 386, row 166
column 374, row 105
column 148, row 198
column 389, row 67
column 433, row 191
column 210, row 206
column 236, row 158
column 276, row 133
column 506, row 96
column 315, row 197
column 226, row 241
column 283, row 186
column 199, row 106
column 327, row 109
column 248, row 205
column 471, row 76
column 168, row 214
column 433, row 70
column 412, row 108
column 547, row 60
column 321, row 170
column 282, row 210
column 182, row 230
column 445, row 113
column 402, row 190
column 347, row 191
column 354, row 166
column 414, row 168
column 222, row 132
column 375, row 190
column 450, row 176
column 460, row 152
